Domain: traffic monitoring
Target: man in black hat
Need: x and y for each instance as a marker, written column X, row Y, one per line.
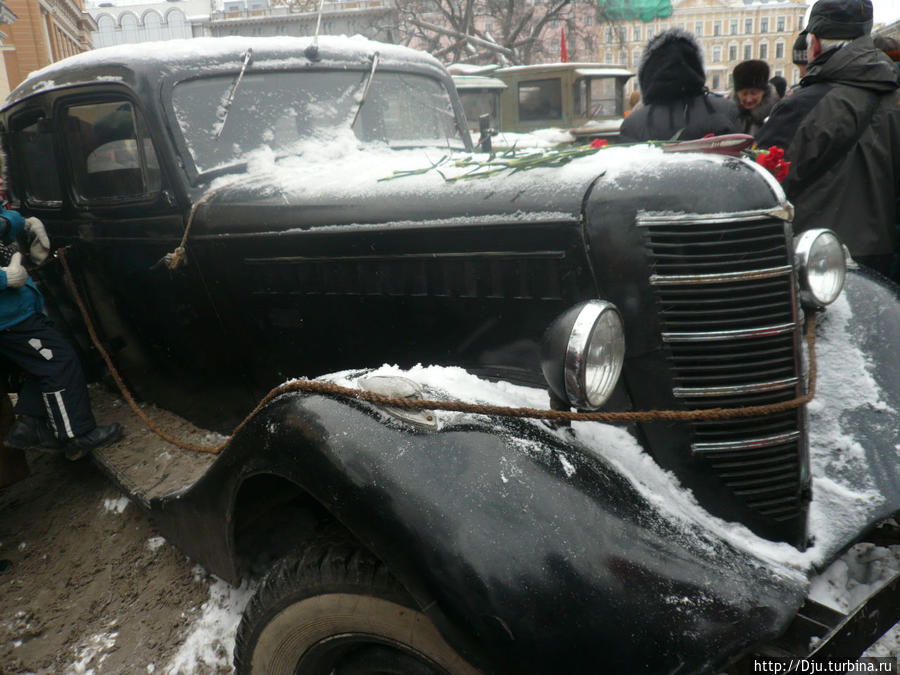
column 841, row 133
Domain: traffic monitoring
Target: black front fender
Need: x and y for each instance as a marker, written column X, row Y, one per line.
column 529, row 550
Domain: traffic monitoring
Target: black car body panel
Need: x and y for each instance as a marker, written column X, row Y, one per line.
column 533, row 547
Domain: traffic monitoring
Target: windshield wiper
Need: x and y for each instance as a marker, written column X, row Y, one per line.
column 226, row 107
column 365, row 92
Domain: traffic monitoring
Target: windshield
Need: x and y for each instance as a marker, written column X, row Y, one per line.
column 282, row 111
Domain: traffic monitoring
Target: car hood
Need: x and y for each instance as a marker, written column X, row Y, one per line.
column 356, row 187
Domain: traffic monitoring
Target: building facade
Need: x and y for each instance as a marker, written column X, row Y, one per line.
column 45, row 31
column 729, row 31
column 7, row 16
column 375, row 19
column 148, row 22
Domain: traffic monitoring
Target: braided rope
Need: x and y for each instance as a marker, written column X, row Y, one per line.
column 331, row 389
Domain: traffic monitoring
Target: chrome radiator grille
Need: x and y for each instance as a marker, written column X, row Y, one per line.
column 724, row 286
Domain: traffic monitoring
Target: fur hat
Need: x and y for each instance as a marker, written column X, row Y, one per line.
column 753, row 74
column 798, row 55
column 671, row 67
column 840, row 19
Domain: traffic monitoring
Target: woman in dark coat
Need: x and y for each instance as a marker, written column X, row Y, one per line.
column 677, row 104
column 753, row 94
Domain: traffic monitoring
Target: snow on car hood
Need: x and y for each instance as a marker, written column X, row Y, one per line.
column 340, row 183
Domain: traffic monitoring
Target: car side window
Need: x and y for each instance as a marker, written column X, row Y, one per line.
column 110, row 151
column 34, row 154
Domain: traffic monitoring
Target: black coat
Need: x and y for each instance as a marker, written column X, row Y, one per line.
column 688, row 119
column 676, row 102
column 841, row 133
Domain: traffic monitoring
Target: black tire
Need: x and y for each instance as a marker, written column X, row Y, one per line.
column 335, row 608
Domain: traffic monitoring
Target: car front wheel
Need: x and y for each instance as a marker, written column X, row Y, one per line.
column 335, row 609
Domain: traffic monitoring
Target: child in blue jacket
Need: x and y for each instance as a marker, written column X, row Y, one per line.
column 53, row 412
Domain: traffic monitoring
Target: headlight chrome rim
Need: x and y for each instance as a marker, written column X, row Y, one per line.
column 582, row 389
column 819, row 254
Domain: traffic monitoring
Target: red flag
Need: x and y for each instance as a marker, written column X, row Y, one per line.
column 563, row 52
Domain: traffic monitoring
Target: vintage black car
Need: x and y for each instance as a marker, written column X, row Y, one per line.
column 335, row 230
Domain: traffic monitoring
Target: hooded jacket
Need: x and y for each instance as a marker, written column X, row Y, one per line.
column 673, row 89
column 751, row 121
column 841, row 133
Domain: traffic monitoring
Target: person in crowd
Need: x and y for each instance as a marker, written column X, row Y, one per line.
column 53, row 411
column 890, row 46
column 780, row 85
column 634, row 101
column 676, row 102
column 841, row 133
column 798, row 55
column 753, row 94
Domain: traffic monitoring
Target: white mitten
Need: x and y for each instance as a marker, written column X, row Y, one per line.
column 16, row 276
column 39, row 247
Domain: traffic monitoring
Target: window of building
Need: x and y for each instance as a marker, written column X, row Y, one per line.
column 779, row 73
column 698, row 28
column 748, row 52
column 764, row 25
column 589, row 45
column 716, row 81
column 608, row 56
column 635, row 58
column 763, row 51
column 732, row 52
column 623, row 34
column 651, row 31
column 153, row 25
column 779, row 50
column 717, row 27
column 732, row 27
column 779, row 24
column 110, row 152
column 623, row 57
column 609, row 35
column 129, row 27
column 636, row 33
column 588, row 20
column 748, row 26
column 717, row 55
column 488, row 26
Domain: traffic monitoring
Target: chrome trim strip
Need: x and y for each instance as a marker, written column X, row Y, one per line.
column 649, row 218
column 712, row 336
column 747, row 444
column 756, row 387
column 720, row 278
column 375, row 257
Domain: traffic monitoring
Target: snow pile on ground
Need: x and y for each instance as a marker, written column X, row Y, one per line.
column 115, row 505
column 210, row 642
column 93, row 652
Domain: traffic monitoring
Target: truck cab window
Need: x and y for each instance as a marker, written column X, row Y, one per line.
column 111, row 153
column 540, row 100
column 34, row 154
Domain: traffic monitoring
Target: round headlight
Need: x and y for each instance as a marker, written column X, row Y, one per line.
column 821, row 265
column 583, row 353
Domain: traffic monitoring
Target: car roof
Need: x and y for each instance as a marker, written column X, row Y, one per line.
column 149, row 63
